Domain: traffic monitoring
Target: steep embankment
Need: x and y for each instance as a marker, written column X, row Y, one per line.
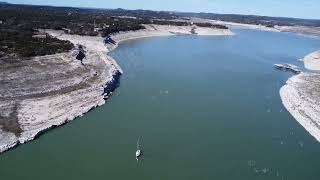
column 48, row 91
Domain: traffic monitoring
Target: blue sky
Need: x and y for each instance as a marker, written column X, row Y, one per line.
column 285, row 8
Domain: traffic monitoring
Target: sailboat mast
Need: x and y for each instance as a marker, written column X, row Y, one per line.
column 138, row 143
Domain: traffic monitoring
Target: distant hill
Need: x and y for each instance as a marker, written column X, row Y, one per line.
column 252, row 19
column 139, row 13
column 148, row 14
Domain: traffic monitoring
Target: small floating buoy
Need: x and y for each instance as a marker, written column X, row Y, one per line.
column 251, row 163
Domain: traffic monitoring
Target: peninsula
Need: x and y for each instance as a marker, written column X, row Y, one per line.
column 301, row 96
column 53, row 71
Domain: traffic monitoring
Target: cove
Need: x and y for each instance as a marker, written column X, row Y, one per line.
column 204, row 108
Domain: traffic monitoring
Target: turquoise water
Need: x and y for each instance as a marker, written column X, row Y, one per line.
column 203, row 107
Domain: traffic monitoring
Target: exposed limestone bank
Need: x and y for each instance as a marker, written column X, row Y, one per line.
column 301, row 97
column 308, row 31
column 165, row 30
column 247, row 26
column 48, row 91
column 312, row 61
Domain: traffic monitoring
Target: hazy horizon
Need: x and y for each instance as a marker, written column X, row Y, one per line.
column 286, row 8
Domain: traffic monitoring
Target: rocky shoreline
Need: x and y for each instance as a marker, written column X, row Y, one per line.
column 48, row 91
column 312, row 61
column 301, row 97
column 308, row 31
column 52, row 90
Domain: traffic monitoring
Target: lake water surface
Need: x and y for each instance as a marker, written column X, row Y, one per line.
column 203, row 107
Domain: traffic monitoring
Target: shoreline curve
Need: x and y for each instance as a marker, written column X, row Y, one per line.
column 44, row 109
column 301, row 97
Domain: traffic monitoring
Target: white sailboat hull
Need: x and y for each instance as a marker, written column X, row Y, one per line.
column 138, row 153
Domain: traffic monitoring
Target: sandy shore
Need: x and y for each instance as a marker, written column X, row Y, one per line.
column 164, row 30
column 300, row 30
column 247, row 26
column 48, row 91
column 308, row 31
column 312, row 61
column 301, row 97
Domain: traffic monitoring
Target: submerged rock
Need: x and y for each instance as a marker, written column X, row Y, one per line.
column 288, row 67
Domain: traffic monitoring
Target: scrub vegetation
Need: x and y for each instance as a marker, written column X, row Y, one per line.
column 19, row 25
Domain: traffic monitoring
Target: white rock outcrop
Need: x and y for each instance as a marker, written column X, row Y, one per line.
column 301, row 97
column 312, row 61
column 48, row 91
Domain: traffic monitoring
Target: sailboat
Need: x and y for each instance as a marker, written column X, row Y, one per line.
column 138, row 152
